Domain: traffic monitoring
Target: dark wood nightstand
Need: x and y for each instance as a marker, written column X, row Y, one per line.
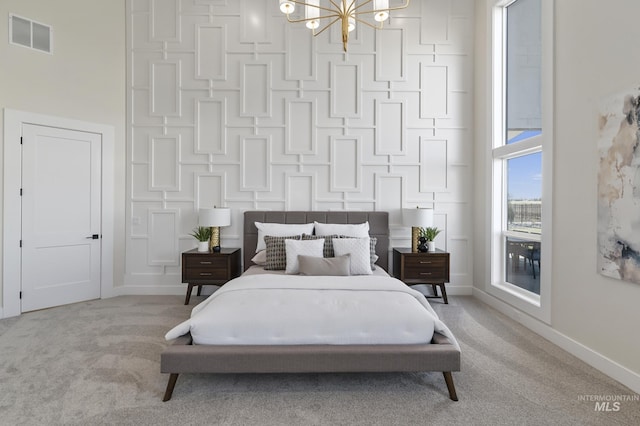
column 208, row 268
column 422, row 268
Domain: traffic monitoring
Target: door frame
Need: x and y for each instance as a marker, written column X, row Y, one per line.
column 12, row 205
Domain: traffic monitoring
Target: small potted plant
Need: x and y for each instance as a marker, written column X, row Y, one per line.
column 429, row 234
column 202, row 234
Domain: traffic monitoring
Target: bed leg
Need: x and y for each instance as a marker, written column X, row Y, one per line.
column 448, row 378
column 170, row 385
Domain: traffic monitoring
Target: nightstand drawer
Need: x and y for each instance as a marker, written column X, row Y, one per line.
column 426, row 273
column 425, row 262
column 194, row 274
column 206, row 261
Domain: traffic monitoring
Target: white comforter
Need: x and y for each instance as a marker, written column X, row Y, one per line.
column 296, row 310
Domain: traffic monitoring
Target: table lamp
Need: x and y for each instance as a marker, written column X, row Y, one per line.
column 417, row 218
column 214, row 218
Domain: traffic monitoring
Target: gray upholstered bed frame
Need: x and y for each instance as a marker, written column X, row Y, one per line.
column 185, row 357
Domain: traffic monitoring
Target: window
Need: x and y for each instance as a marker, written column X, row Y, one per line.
column 521, row 154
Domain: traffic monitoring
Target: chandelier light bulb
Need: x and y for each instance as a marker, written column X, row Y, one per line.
column 381, row 7
column 287, row 6
column 312, row 13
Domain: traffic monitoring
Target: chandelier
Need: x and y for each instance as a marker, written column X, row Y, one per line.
column 347, row 12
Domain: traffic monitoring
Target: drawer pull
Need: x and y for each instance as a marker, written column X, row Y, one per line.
column 205, row 263
column 426, row 273
column 424, row 262
column 205, row 274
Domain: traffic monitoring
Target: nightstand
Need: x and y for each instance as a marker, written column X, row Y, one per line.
column 208, row 268
column 422, row 268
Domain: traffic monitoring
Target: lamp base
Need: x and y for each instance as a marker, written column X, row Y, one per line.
column 415, row 238
column 214, row 241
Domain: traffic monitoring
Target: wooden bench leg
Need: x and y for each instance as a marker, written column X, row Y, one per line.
column 448, row 378
column 170, row 385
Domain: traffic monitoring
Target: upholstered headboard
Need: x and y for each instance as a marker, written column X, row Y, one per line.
column 378, row 227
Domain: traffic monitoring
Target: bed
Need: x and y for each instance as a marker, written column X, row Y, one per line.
column 441, row 354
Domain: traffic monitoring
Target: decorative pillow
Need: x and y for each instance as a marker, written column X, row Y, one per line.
column 260, row 258
column 333, row 266
column 359, row 249
column 295, row 248
column 280, row 230
column 360, row 230
column 328, row 246
column 327, row 250
column 276, row 252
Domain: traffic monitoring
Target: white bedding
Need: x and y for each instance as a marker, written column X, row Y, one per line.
column 278, row 309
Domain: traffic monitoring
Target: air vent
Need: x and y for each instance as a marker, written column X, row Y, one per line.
column 28, row 33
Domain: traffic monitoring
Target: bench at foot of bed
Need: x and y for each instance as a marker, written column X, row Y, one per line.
column 185, row 357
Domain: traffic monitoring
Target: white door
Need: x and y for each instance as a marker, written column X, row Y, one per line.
column 60, row 216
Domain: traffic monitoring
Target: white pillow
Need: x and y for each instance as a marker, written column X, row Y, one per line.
column 303, row 248
column 260, row 258
column 359, row 250
column 360, row 230
column 280, row 230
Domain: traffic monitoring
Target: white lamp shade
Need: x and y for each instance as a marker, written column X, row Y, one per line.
column 419, row 217
column 311, row 11
column 381, row 6
column 214, row 217
column 287, row 6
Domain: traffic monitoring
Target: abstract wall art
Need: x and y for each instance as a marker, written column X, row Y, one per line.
column 619, row 187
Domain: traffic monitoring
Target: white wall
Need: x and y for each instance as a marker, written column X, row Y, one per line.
column 84, row 79
column 230, row 105
column 595, row 56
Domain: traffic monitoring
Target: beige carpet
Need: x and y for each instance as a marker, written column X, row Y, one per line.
column 98, row 363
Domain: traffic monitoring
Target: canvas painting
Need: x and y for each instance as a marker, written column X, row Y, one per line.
column 619, row 187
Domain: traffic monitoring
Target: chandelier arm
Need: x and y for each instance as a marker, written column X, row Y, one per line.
column 326, row 26
column 302, row 3
column 365, row 12
column 295, row 21
column 364, row 3
column 368, row 23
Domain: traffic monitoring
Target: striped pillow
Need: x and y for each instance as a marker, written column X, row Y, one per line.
column 277, row 252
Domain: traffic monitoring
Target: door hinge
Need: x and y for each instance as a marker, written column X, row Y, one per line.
column 20, row 243
column 20, row 295
column 21, row 192
column 20, row 140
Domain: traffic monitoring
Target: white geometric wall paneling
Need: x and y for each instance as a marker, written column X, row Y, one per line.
column 390, row 55
column 165, row 88
column 345, row 90
column 163, row 237
column 346, row 168
column 256, row 90
column 211, row 123
column 256, row 163
column 300, row 191
column 300, row 125
column 211, row 52
column 165, row 20
column 433, row 165
column 231, row 105
column 390, row 127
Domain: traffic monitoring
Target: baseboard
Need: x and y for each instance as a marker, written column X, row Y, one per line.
column 611, row 368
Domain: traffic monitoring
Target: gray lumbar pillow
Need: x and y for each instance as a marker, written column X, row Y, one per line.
column 310, row 265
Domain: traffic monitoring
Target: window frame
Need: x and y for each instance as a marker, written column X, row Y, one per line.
column 538, row 306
